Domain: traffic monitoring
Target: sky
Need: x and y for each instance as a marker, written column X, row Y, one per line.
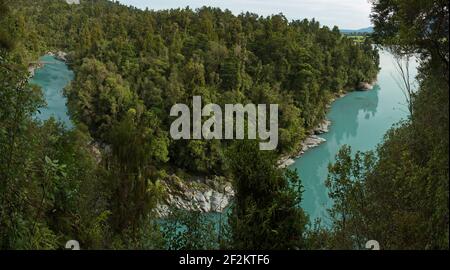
column 347, row 14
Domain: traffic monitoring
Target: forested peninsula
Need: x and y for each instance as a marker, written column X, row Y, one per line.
column 102, row 181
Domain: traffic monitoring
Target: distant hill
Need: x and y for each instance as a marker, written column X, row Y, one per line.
column 368, row 30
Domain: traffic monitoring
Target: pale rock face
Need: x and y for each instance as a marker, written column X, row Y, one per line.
column 199, row 197
column 323, row 127
column 285, row 162
column 31, row 71
column 219, row 201
column 365, row 86
column 310, row 142
column 73, row 2
column 209, row 195
column 61, row 56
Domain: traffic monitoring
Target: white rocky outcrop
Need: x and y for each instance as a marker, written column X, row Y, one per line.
column 310, row 142
column 285, row 162
column 60, row 55
column 31, row 71
column 365, row 86
column 204, row 195
column 323, row 127
column 77, row 2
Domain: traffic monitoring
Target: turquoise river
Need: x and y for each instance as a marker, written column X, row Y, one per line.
column 360, row 120
column 52, row 78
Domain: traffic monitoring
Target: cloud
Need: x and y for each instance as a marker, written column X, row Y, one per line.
column 349, row 14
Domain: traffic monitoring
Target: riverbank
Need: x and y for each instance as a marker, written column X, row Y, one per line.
column 52, row 74
column 214, row 194
column 189, row 193
column 359, row 120
column 206, row 195
column 59, row 55
column 312, row 140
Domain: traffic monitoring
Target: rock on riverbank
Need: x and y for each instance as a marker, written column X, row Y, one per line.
column 199, row 194
column 204, row 195
column 365, row 86
column 32, row 69
column 60, row 55
column 310, row 142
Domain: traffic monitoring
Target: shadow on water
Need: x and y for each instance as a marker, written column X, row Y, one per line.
column 359, row 120
column 346, row 111
column 347, row 114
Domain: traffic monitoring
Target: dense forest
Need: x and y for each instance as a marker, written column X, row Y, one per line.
column 132, row 65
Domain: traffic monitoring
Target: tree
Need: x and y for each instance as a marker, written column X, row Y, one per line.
column 137, row 145
column 99, row 182
column 404, row 80
column 414, row 26
column 5, row 39
column 346, row 182
column 266, row 212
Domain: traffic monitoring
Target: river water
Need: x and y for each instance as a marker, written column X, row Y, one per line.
column 52, row 78
column 360, row 120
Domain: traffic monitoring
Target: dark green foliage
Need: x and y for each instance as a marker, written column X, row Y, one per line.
column 6, row 42
column 131, row 169
column 124, row 58
column 413, row 26
column 266, row 213
column 131, row 66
